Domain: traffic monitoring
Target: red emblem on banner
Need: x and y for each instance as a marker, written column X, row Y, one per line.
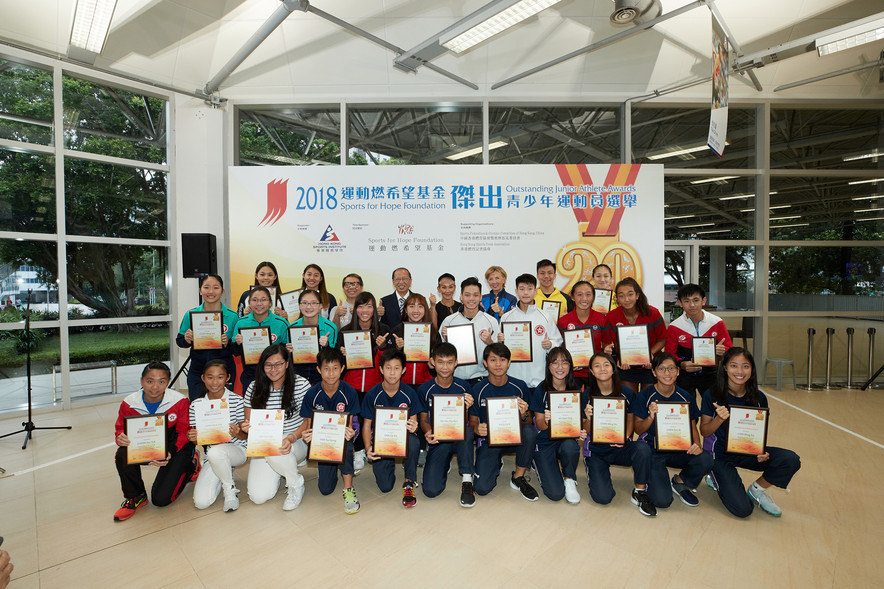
column 277, row 195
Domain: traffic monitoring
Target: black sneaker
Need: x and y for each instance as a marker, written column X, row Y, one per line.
column 521, row 484
column 684, row 493
column 467, row 495
column 645, row 507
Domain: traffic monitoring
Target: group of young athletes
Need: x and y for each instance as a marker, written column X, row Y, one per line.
column 327, row 385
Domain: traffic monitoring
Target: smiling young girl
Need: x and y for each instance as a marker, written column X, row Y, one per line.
column 309, row 302
column 313, row 278
column 635, row 310
column 259, row 303
column 555, row 480
column 584, row 317
column 693, row 463
column 223, row 457
column 736, row 383
column 211, row 289
column 266, row 276
column 416, row 311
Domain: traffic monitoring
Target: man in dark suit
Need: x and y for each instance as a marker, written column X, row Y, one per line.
column 394, row 302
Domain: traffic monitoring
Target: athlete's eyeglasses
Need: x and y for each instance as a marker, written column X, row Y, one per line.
column 275, row 365
column 665, row 369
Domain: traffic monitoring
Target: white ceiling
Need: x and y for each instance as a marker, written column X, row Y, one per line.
column 183, row 43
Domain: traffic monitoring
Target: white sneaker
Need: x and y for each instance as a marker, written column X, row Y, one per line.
column 359, row 458
column 571, row 494
column 231, row 501
column 294, row 495
column 759, row 495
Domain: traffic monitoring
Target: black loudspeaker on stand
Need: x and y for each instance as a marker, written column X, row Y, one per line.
column 199, row 254
column 28, row 426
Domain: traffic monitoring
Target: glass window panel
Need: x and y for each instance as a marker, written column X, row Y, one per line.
column 788, row 336
column 816, row 208
column 727, row 274
column 45, row 353
column 806, row 278
column 554, row 135
column 25, row 103
column 838, row 139
column 122, row 351
column 111, row 121
column 415, row 135
column 676, row 137
column 27, row 192
column 115, row 201
column 290, row 136
column 111, row 280
column 700, row 207
column 28, row 265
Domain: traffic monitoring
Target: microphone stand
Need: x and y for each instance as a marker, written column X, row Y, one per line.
column 28, row 426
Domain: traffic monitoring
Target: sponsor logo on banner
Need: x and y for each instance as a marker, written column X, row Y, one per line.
column 329, row 242
column 277, row 197
column 406, row 229
column 329, row 235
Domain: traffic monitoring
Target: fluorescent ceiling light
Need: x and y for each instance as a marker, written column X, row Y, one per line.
column 697, row 225
column 685, row 151
column 679, row 217
column 773, row 193
column 736, row 196
column 792, row 225
column 852, row 37
column 467, row 153
column 868, row 197
column 875, row 210
column 785, row 218
column 873, row 180
column 718, row 179
column 713, row 231
column 862, row 156
column 871, row 219
column 460, row 42
column 92, row 21
column 780, row 207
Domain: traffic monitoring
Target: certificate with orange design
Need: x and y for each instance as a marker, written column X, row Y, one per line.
column 289, row 302
column 449, row 418
column 212, row 421
column 517, row 337
column 633, row 343
column 390, row 436
column 147, row 438
column 565, row 417
column 704, row 350
column 254, row 341
column 358, row 346
column 305, row 343
column 417, row 341
column 327, row 443
column 207, row 327
column 608, row 420
column 504, row 422
column 579, row 343
column 672, row 427
column 463, row 337
column 265, row 432
column 602, row 301
column 747, row 430
column 552, row 309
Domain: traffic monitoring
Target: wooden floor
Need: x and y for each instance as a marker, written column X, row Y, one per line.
column 58, row 524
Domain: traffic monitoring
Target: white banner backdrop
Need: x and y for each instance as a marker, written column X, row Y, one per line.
column 435, row 219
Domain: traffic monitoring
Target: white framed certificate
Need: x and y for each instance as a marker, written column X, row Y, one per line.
column 449, row 418
column 581, row 345
column 147, row 438
column 565, row 417
column 634, row 347
column 254, row 341
column 390, row 432
column 602, row 300
column 504, row 421
column 207, row 327
column 358, row 346
column 417, row 341
column 289, row 302
column 672, row 427
column 703, row 349
column 463, row 337
column 329, row 437
column 212, row 421
column 265, row 432
column 517, row 335
column 747, row 430
column 608, row 420
column 305, row 343
column 552, row 309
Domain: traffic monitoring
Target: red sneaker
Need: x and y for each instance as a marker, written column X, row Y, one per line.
column 408, row 498
column 128, row 508
column 197, row 467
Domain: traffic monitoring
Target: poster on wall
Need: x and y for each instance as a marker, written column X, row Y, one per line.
column 459, row 219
